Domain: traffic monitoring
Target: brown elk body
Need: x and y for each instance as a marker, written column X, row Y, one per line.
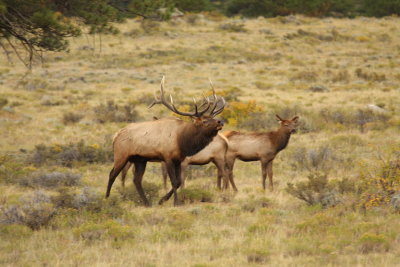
column 169, row 140
column 214, row 152
column 258, row 146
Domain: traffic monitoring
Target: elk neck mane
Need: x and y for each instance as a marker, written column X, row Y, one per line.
column 279, row 138
column 192, row 139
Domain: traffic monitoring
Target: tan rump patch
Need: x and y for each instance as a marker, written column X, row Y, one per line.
column 228, row 134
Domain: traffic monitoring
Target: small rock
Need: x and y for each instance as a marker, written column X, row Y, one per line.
column 376, row 108
column 318, row 88
column 265, row 31
column 8, row 109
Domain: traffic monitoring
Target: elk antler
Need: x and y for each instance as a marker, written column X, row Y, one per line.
column 216, row 100
column 172, row 107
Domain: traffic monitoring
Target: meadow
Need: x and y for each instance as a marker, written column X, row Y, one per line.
column 336, row 200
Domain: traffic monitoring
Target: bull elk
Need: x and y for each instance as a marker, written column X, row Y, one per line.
column 214, row 152
column 261, row 147
column 170, row 140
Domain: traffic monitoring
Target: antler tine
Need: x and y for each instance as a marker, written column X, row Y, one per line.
column 208, row 103
column 195, row 105
column 197, row 112
column 218, row 111
column 215, row 97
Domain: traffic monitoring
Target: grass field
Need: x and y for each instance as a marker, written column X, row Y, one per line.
column 341, row 76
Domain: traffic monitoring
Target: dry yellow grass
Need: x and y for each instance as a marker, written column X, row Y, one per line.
column 273, row 63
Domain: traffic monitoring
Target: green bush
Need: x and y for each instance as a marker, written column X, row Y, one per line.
column 67, row 155
column 317, row 190
column 71, row 117
column 191, row 195
column 50, row 180
column 151, row 191
column 112, row 112
column 380, row 182
column 373, row 243
column 87, row 199
column 110, row 229
column 318, row 8
column 14, row 231
column 380, row 8
column 193, row 5
column 12, row 169
column 35, row 211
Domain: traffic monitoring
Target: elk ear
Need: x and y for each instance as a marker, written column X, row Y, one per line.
column 278, row 118
column 295, row 118
column 196, row 120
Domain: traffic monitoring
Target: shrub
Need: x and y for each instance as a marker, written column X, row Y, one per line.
column 14, row 231
column 260, row 257
column 316, row 190
column 110, row 229
column 11, row 169
column 231, row 94
column 192, row 195
column 150, row 26
column 320, row 158
column 67, row 155
column 193, row 5
column 380, row 183
column 71, row 117
column 307, row 76
column 257, row 121
column 362, row 117
column 233, row 27
column 251, row 205
column 372, row 76
column 50, row 180
column 373, row 243
column 112, row 112
column 3, row 102
column 35, row 211
column 151, row 191
column 238, row 112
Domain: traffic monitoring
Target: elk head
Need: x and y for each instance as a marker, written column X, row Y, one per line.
column 203, row 127
column 289, row 125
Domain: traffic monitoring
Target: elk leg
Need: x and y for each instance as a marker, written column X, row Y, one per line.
column 269, row 172
column 220, row 164
column 172, row 176
column 178, row 182
column 124, row 173
column 182, row 172
column 164, row 174
column 118, row 166
column 264, row 166
column 140, row 167
column 229, row 168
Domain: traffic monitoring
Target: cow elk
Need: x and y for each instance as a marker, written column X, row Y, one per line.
column 170, row 140
column 214, row 152
column 261, row 147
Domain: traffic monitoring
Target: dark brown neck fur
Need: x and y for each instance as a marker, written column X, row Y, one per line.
column 280, row 138
column 193, row 139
